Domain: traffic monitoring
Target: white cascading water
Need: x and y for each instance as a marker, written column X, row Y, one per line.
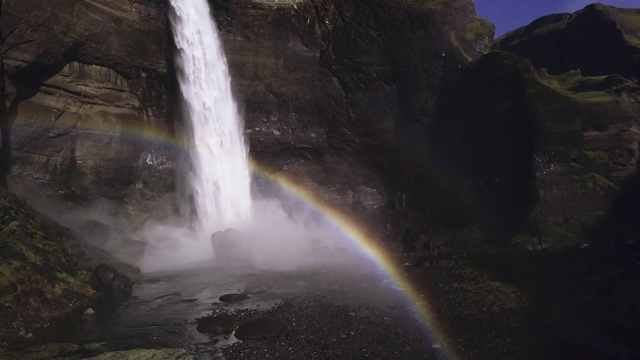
column 219, row 178
column 218, row 175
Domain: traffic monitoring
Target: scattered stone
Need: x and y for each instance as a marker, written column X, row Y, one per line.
column 217, row 325
column 233, row 298
column 260, row 329
column 89, row 311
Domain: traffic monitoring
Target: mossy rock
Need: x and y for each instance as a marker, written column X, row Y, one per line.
column 596, row 158
column 96, row 351
column 597, row 183
column 144, row 354
column 547, row 231
column 39, row 269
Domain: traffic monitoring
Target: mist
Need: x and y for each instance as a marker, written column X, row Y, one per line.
column 281, row 235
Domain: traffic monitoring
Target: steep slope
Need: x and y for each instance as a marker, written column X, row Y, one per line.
column 598, row 40
column 40, row 276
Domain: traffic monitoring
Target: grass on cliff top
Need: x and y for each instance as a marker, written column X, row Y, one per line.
column 37, row 266
column 589, row 89
column 577, row 87
column 421, row 4
column 629, row 21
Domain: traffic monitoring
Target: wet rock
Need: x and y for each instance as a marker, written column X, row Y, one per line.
column 44, row 351
column 231, row 247
column 232, row 298
column 260, row 329
column 217, row 325
column 109, row 281
column 144, row 354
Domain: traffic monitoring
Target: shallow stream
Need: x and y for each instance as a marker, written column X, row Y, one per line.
column 339, row 300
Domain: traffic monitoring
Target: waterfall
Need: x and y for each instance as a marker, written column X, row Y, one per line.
column 218, row 178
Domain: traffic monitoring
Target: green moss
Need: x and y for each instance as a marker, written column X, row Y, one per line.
column 70, row 195
column 486, row 293
column 596, row 158
column 422, row 4
column 630, row 19
column 66, row 277
column 597, row 182
column 36, row 260
column 546, row 230
column 578, row 88
column 478, row 27
column 14, row 225
column 526, row 241
column 596, row 97
column 454, row 42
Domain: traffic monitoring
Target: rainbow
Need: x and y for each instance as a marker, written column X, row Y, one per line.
column 354, row 232
column 370, row 247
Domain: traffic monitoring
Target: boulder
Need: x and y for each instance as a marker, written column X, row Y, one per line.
column 231, row 247
column 260, row 329
column 216, row 325
column 110, row 282
column 232, row 298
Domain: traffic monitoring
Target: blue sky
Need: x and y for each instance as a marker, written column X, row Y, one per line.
column 512, row 14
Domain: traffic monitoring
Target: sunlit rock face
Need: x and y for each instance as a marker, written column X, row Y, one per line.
column 322, row 84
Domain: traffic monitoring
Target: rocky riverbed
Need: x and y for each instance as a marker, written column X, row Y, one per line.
column 346, row 311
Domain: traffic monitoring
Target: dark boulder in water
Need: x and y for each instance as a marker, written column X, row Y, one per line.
column 231, row 247
column 109, row 281
column 260, row 329
column 217, row 325
column 232, row 298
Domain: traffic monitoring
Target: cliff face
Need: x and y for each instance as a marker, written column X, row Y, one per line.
column 89, row 77
column 327, row 87
column 544, row 157
column 598, row 40
column 330, row 87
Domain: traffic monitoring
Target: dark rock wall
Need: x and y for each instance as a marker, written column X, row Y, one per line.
column 540, row 155
column 327, row 87
column 333, row 88
column 90, row 77
column 366, row 103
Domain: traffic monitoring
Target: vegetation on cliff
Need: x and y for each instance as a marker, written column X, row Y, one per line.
column 40, row 276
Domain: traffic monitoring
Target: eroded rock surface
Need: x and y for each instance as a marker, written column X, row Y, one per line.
column 325, row 86
column 92, row 83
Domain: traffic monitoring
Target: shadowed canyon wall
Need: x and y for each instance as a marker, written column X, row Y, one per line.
column 386, row 104
column 328, row 89
column 545, row 142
